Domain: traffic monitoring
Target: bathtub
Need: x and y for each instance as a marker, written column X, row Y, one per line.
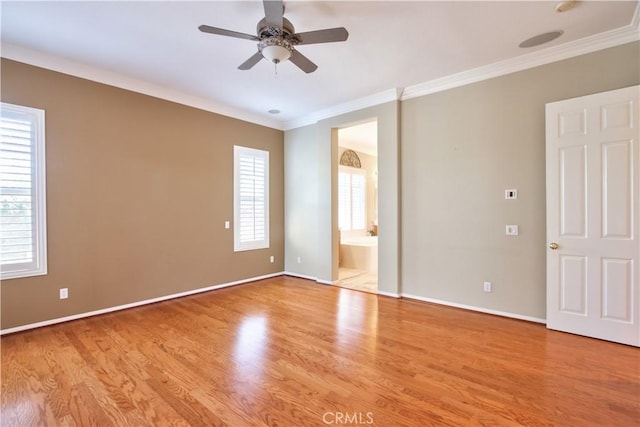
column 359, row 252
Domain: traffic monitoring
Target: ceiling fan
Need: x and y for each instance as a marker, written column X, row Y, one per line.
column 277, row 38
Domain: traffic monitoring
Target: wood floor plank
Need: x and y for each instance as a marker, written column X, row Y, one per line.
column 288, row 352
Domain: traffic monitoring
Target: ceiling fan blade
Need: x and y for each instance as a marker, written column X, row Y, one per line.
column 273, row 11
column 302, row 62
column 249, row 63
column 229, row 33
column 323, row 36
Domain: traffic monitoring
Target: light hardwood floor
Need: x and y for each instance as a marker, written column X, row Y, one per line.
column 289, row 352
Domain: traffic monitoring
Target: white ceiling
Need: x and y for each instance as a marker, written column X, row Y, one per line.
column 392, row 45
column 362, row 137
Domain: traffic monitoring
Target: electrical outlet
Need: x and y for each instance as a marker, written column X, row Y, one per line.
column 511, row 230
column 272, row 259
column 511, row 194
column 299, row 260
column 487, row 286
column 64, row 293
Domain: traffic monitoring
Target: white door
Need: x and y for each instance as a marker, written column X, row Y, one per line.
column 593, row 215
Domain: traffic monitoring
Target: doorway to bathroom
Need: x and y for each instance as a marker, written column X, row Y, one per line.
column 358, row 206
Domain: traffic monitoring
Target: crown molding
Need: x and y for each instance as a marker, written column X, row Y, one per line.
column 347, row 107
column 590, row 44
column 568, row 50
column 77, row 69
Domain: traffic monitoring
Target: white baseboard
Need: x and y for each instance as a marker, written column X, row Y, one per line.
column 335, row 282
column 301, row 276
column 253, row 279
column 474, row 308
column 133, row 304
column 389, row 294
column 315, row 279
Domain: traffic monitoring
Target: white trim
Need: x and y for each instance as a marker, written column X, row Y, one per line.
column 389, row 294
column 474, row 308
column 38, row 267
column 560, row 52
column 255, row 155
column 635, row 21
column 331, row 282
column 73, row 68
column 133, row 304
column 616, row 37
column 253, row 279
column 328, row 282
column 315, row 279
column 347, row 107
column 300, row 276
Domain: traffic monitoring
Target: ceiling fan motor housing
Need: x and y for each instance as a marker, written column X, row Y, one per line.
column 277, row 38
column 287, row 31
column 276, row 44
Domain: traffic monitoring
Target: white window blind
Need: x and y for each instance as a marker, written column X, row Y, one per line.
column 351, row 199
column 251, row 198
column 22, row 192
column 344, row 201
column 357, row 202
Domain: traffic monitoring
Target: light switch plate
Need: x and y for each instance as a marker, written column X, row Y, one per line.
column 512, row 230
column 227, row 225
column 511, row 194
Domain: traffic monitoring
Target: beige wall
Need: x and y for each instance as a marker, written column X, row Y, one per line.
column 460, row 150
column 311, row 162
column 138, row 190
column 301, row 201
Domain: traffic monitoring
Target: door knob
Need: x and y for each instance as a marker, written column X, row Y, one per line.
column 553, row 245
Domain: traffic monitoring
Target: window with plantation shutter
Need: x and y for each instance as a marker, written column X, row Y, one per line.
column 351, row 199
column 251, row 198
column 22, row 192
column 344, row 201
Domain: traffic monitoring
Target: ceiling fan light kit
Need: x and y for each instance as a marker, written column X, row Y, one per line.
column 277, row 39
column 275, row 49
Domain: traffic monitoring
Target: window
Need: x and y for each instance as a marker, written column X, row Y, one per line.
column 351, row 199
column 23, row 246
column 251, row 198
